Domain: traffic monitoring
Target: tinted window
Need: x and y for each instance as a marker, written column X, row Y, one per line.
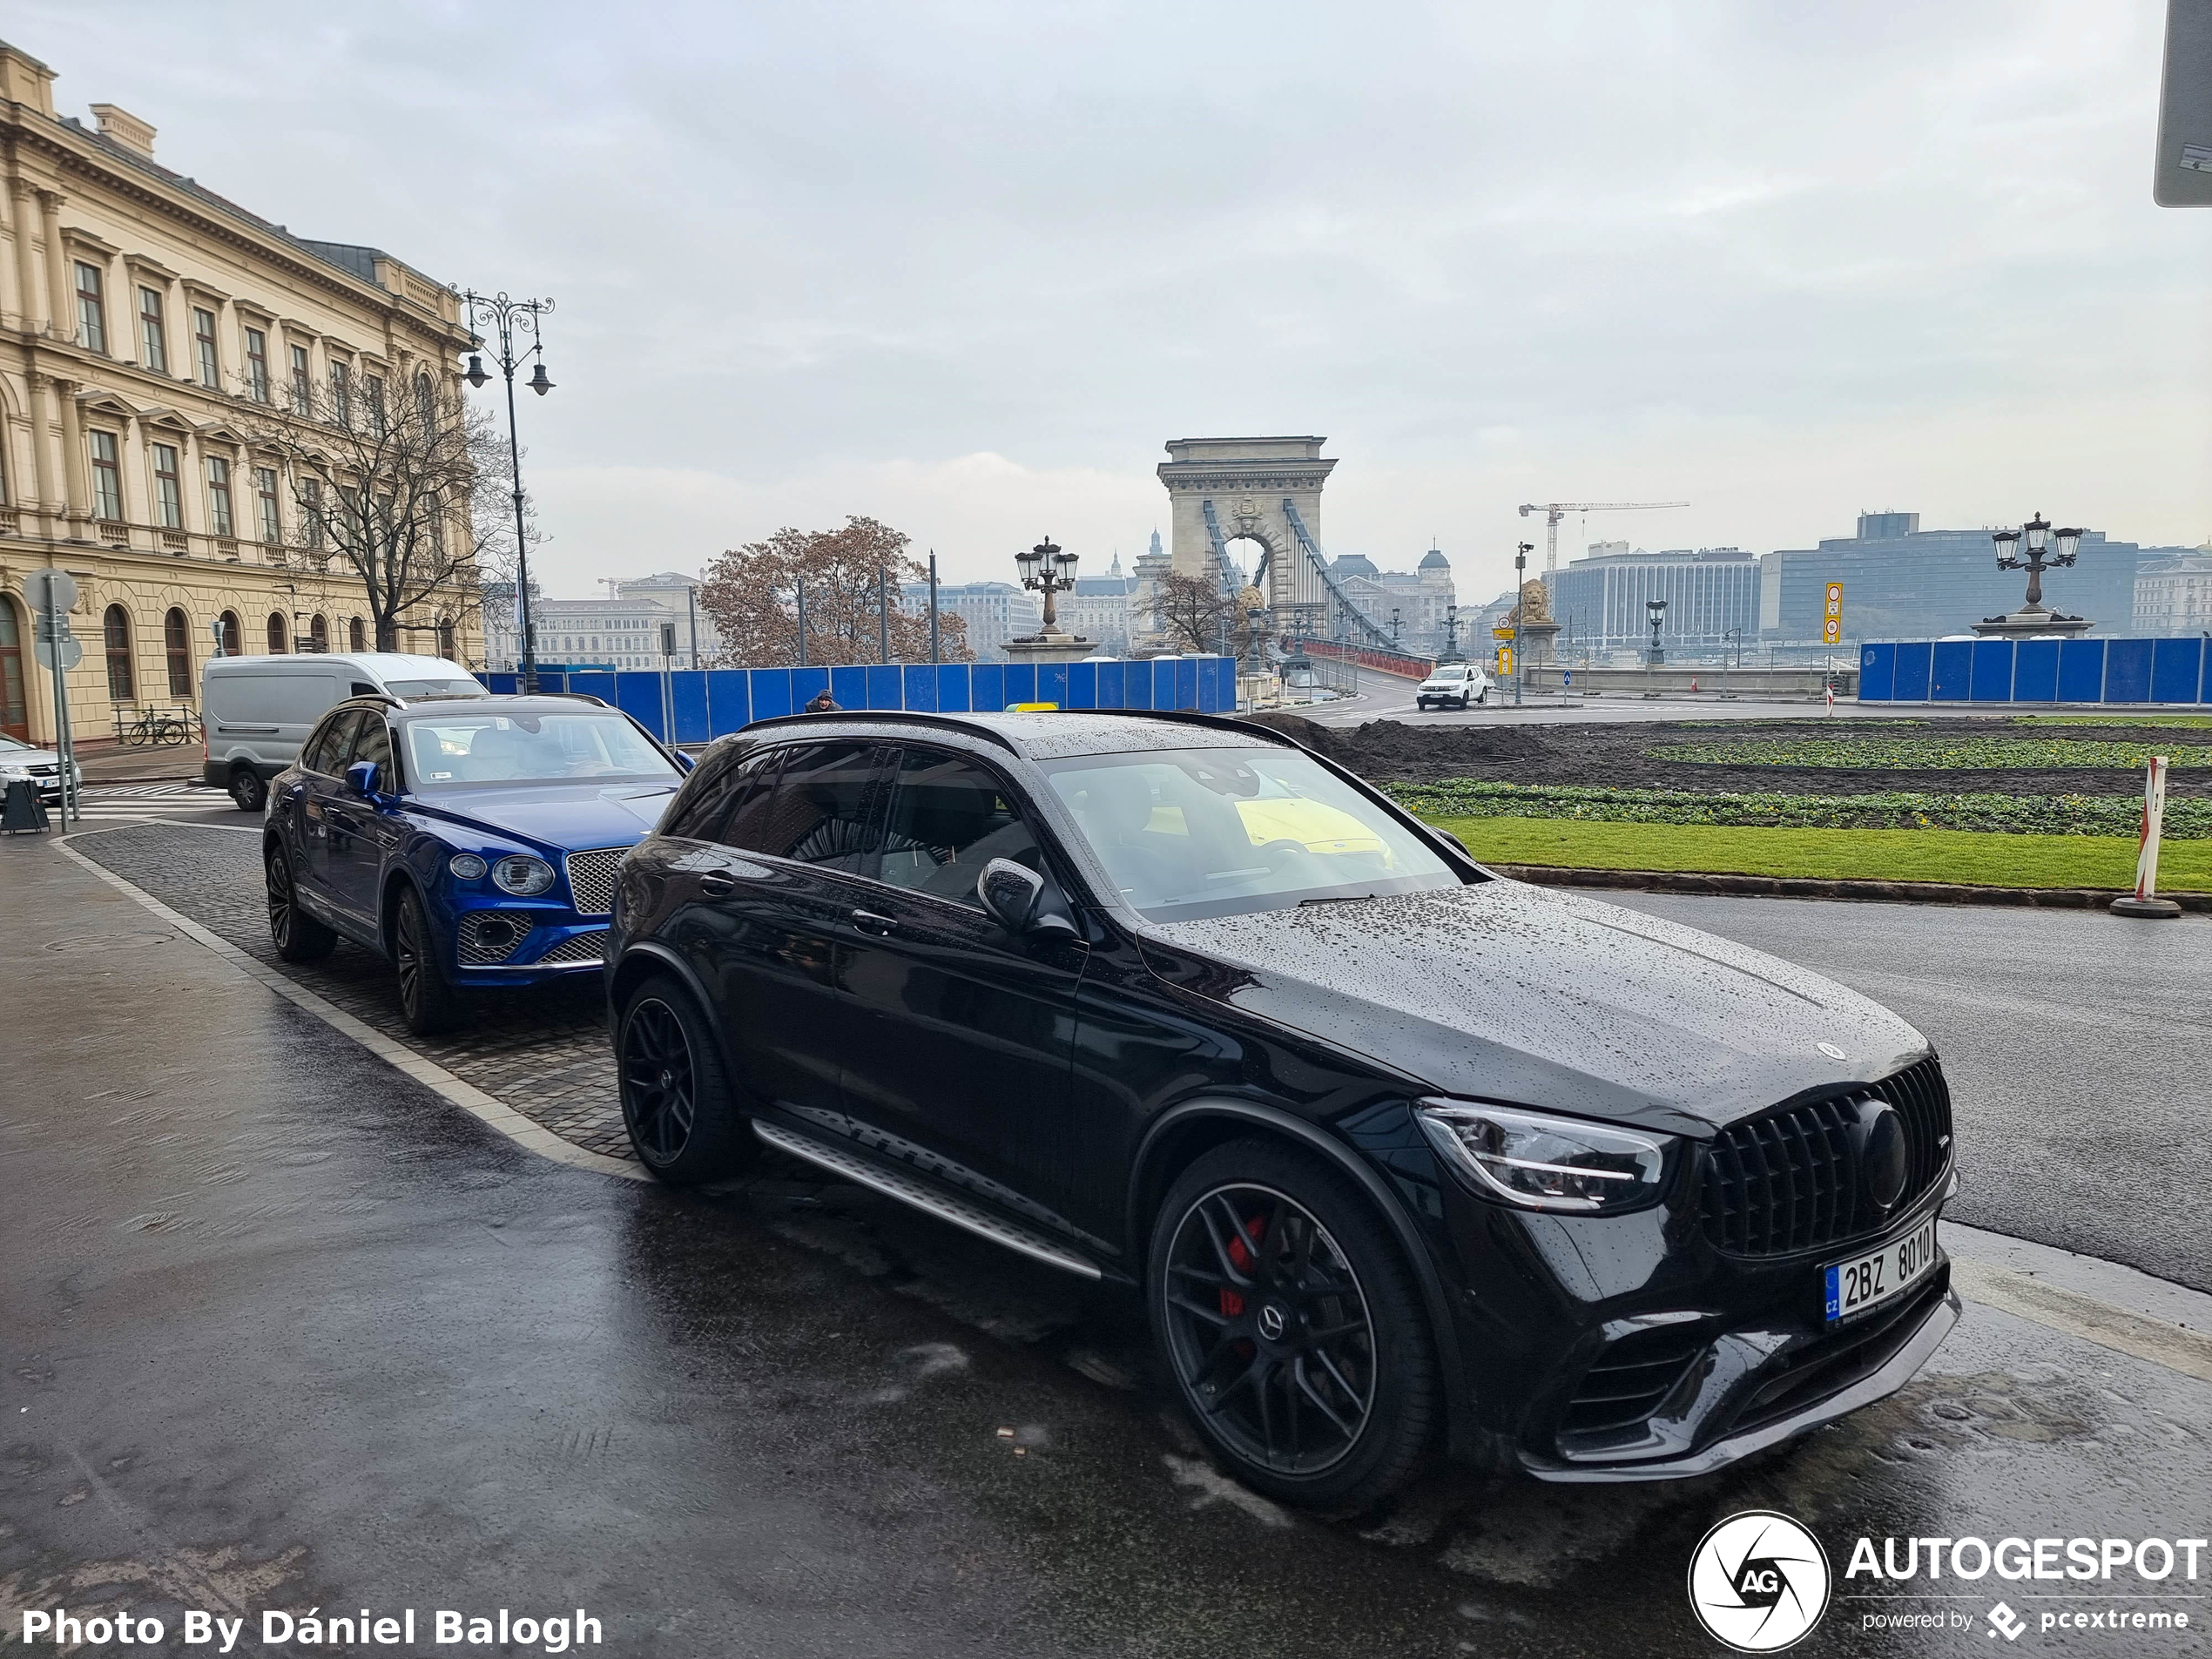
column 948, row 819
column 822, row 809
column 697, row 811
column 747, row 825
column 1195, row 832
column 373, row 742
column 326, row 751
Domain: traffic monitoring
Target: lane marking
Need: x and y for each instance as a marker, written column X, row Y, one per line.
column 492, row 1113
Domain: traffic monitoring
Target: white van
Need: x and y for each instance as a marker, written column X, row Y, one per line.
column 257, row 710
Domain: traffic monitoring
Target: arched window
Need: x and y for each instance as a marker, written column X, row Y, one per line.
column 233, row 644
column 176, row 637
column 356, row 636
column 121, row 684
column 14, row 713
column 425, row 402
column 319, row 634
column 276, row 633
column 445, row 639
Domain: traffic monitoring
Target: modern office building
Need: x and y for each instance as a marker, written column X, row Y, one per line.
column 1712, row 596
column 1901, row 582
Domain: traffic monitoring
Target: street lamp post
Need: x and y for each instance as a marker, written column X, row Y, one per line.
column 1046, row 570
column 1656, row 610
column 509, row 318
column 1520, row 569
column 2037, row 534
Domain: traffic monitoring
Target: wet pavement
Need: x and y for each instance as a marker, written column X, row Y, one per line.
column 283, row 1328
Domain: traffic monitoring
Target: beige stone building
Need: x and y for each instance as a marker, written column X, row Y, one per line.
column 142, row 317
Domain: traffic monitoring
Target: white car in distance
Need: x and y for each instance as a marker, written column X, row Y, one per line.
column 1453, row 685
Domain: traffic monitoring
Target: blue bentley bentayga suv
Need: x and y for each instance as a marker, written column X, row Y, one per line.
column 472, row 840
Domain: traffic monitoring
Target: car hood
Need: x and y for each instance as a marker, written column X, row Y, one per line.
column 558, row 817
column 1506, row 992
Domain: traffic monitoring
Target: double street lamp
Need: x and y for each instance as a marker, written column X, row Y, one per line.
column 510, row 319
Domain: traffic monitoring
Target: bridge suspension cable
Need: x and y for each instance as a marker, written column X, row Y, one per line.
column 1378, row 639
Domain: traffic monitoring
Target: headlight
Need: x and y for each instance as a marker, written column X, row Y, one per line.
column 466, row 867
column 523, row 876
column 1546, row 1162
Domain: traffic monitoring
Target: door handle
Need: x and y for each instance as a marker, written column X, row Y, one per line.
column 717, row 884
column 868, row 922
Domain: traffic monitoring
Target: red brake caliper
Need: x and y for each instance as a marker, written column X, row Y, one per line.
column 1233, row 1303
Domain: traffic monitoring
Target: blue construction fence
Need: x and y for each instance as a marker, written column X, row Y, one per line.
column 713, row 702
column 2034, row 671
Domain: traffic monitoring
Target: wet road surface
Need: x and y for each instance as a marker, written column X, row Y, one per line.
column 280, row 1329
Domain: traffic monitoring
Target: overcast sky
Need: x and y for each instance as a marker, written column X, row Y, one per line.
column 966, row 266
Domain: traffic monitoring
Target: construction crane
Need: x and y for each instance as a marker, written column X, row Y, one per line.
column 1554, row 510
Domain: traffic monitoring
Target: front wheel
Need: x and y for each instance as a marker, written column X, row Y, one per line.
column 677, row 1102
column 248, row 790
column 427, row 998
column 1294, row 1328
column 1484, row 696
column 1421, row 702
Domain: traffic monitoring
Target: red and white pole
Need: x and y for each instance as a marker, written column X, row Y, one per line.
column 2145, row 901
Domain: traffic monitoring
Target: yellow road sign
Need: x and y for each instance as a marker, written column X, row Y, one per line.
column 1503, row 633
column 1505, row 659
column 1831, row 615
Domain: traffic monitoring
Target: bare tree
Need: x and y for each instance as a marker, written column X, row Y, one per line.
column 753, row 594
column 400, row 492
column 1192, row 613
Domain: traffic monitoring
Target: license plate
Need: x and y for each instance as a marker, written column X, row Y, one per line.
column 1866, row 1281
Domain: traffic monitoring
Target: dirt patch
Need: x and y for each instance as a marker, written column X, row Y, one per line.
column 1617, row 755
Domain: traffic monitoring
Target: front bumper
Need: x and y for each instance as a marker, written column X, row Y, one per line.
column 519, row 943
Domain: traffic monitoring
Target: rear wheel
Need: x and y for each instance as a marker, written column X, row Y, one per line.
column 427, row 998
column 298, row 936
column 677, row 1102
column 1293, row 1326
column 249, row 789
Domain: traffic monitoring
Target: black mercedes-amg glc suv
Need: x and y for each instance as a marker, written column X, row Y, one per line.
column 1404, row 1158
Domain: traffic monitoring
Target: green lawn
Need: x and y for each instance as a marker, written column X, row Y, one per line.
column 1886, row 855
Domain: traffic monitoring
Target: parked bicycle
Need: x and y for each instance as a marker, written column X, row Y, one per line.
column 160, row 727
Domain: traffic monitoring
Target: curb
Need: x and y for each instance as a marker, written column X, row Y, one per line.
column 1799, row 887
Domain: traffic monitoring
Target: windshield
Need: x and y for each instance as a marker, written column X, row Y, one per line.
column 1449, row 674
column 405, row 689
column 462, row 750
column 1192, row 833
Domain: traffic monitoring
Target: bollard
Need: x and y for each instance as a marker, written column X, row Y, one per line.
column 2144, row 902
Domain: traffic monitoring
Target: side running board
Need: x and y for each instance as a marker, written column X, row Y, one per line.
column 944, row 1206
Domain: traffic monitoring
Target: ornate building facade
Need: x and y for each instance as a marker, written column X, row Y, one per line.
column 142, row 317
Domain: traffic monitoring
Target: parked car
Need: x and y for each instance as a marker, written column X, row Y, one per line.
column 473, row 840
column 1453, row 685
column 1402, row 1155
column 256, row 711
column 42, row 766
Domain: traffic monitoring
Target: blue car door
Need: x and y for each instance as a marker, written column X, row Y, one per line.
column 362, row 836
column 305, row 807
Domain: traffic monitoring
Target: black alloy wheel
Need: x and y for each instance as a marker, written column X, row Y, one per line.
column 249, row 792
column 427, row 998
column 1293, row 1328
column 677, row 1104
column 298, row 936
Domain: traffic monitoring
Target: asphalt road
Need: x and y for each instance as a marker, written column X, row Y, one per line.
column 2078, row 1046
column 281, row 1329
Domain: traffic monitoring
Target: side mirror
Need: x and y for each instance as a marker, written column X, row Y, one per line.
column 362, row 779
column 1023, row 902
column 684, row 762
column 1446, row 834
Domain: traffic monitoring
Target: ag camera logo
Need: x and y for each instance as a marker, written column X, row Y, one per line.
column 1758, row 1582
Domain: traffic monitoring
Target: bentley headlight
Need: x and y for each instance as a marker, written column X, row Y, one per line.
column 520, row 874
column 1541, row 1163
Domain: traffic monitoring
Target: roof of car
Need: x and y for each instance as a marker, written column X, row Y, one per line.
column 467, row 702
column 1053, row 735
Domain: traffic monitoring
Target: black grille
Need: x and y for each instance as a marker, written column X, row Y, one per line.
column 1625, row 1386
column 1789, row 1181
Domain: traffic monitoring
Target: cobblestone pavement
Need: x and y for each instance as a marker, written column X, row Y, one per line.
column 542, row 1052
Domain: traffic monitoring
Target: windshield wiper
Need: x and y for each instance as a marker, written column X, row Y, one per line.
column 1348, row 898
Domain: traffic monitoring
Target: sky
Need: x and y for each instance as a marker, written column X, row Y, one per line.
column 965, row 266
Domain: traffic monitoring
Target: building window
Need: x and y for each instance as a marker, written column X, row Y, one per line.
column 176, row 635
column 356, row 636
column 257, row 365
column 311, row 503
column 303, row 390
column 151, row 333
column 203, row 336
column 425, row 402
column 233, row 645
column 373, row 402
column 342, row 394
column 319, row 635
column 168, row 498
column 265, row 490
column 218, row 496
column 117, row 627
column 107, row 476
column 445, row 639
column 91, row 313
column 276, row 633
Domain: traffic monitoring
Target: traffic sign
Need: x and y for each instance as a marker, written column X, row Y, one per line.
column 1505, row 661
column 1832, row 615
column 1503, row 633
column 50, row 591
column 47, row 625
column 72, row 651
